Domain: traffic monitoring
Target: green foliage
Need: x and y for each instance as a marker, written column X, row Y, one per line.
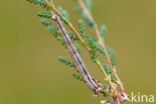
column 94, row 58
column 103, row 30
column 52, row 29
column 113, row 79
column 94, row 45
column 91, row 44
column 88, row 4
column 82, row 28
column 107, row 69
column 73, row 36
column 99, row 48
column 77, row 76
column 66, row 61
column 93, row 38
column 84, row 17
column 90, row 23
column 64, row 13
column 45, row 22
column 38, row 1
column 77, row 46
column 105, row 86
column 78, row 10
column 90, row 41
column 41, row 2
column 44, row 14
column 108, row 93
column 112, row 55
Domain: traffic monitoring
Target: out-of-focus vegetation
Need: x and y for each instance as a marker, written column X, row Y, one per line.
column 28, row 62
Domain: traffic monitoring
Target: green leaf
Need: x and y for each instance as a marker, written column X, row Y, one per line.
column 81, row 26
column 113, row 57
column 108, row 93
column 107, row 69
column 51, row 27
column 88, row 4
column 64, row 13
column 66, row 61
column 78, row 10
column 98, row 47
column 44, row 14
column 41, row 2
column 77, row 46
column 113, row 79
column 36, row 1
column 105, row 86
column 77, row 76
column 103, row 30
column 91, row 24
column 90, row 37
column 72, row 36
column 92, row 43
column 45, row 22
column 53, row 30
column 94, row 58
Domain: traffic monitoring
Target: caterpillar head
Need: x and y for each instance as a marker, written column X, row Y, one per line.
column 123, row 96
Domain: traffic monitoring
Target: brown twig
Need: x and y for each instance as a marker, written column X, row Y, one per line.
column 115, row 96
column 82, row 41
column 93, row 84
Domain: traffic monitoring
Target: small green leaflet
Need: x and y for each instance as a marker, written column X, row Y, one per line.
column 113, row 79
column 81, row 26
column 103, row 30
column 41, row 2
column 53, row 30
column 51, row 27
column 44, row 14
column 77, row 46
column 107, row 69
column 64, row 13
column 112, row 55
column 88, row 4
column 66, row 61
column 73, row 36
column 91, row 24
column 77, row 76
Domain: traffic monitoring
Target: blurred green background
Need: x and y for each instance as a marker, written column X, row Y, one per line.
column 30, row 72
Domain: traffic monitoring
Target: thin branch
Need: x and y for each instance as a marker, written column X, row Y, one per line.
column 93, row 85
column 81, row 39
column 88, row 14
column 75, row 55
column 113, row 93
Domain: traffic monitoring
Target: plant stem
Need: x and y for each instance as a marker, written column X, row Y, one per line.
column 81, row 39
column 90, row 17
